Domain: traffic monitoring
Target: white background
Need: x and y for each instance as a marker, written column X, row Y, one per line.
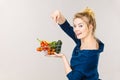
column 22, row 21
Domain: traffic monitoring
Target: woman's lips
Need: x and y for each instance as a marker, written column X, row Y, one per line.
column 78, row 34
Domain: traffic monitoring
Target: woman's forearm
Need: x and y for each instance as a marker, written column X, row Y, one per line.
column 65, row 62
column 66, row 65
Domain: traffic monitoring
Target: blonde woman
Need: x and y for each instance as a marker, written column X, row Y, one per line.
column 85, row 56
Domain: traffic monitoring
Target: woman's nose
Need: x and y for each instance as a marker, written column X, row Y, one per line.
column 76, row 28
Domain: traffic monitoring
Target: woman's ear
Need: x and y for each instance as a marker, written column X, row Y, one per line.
column 91, row 27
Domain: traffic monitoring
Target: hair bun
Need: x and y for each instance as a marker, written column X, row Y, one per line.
column 90, row 12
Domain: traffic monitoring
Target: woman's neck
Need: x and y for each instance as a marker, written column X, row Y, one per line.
column 89, row 42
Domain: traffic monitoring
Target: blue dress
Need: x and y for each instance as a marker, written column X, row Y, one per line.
column 84, row 63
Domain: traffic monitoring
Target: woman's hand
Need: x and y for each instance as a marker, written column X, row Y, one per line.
column 60, row 55
column 58, row 17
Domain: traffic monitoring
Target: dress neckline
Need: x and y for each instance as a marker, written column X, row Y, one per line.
column 100, row 48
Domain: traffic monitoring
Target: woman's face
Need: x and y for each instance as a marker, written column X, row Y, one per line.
column 80, row 28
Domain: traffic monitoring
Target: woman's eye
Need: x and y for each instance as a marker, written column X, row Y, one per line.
column 80, row 25
column 74, row 26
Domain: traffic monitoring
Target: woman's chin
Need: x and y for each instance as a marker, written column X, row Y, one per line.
column 79, row 37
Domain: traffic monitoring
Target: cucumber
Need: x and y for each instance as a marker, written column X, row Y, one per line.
column 58, row 46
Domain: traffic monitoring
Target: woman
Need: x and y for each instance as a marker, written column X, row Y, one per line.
column 85, row 56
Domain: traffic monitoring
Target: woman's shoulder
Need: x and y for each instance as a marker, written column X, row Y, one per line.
column 101, row 45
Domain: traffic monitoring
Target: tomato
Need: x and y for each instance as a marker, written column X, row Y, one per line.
column 39, row 49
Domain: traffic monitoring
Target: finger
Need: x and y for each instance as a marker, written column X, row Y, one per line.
column 50, row 55
column 56, row 54
column 53, row 17
column 57, row 18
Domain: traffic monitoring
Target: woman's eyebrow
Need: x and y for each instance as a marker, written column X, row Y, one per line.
column 77, row 24
column 80, row 23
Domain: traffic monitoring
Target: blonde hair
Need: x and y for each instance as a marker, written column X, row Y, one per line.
column 89, row 14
